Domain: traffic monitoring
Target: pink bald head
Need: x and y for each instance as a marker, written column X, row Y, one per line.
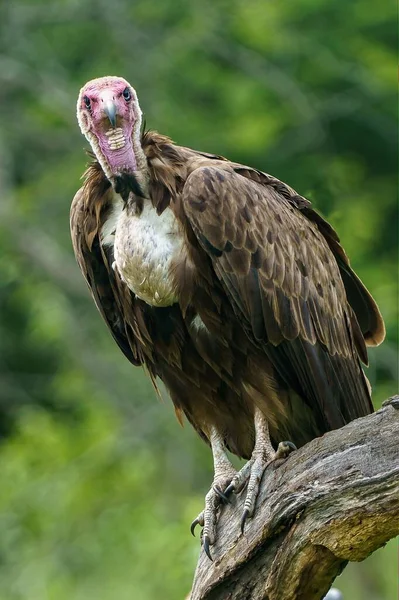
column 110, row 117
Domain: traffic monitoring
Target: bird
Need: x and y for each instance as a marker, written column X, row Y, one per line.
column 225, row 284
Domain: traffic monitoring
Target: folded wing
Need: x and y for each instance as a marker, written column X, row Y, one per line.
column 280, row 271
column 113, row 300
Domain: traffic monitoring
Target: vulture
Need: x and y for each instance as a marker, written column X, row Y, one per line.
column 225, row 284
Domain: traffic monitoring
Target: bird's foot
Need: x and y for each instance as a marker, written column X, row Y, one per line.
column 207, row 518
column 251, row 475
column 228, row 481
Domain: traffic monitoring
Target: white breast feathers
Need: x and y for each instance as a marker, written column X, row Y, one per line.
column 146, row 247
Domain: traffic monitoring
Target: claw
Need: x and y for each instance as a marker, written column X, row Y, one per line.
column 284, row 449
column 222, row 495
column 244, row 518
column 206, row 543
column 229, row 490
column 239, row 481
column 193, row 526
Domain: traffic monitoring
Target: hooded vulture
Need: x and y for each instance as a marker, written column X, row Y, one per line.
column 224, row 283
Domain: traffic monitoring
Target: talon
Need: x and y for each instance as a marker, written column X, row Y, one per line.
column 230, row 488
column 206, row 544
column 222, row 495
column 237, row 487
column 244, row 518
column 194, row 525
column 284, row 449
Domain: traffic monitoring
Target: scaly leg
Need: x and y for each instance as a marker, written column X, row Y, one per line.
column 224, row 474
column 263, row 454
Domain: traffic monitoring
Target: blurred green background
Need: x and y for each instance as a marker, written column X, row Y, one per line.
column 99, row 482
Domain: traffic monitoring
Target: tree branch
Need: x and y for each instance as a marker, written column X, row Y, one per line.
column 335, row 500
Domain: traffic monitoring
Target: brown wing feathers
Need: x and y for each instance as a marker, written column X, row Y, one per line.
column 288, row 265
column 108, row 292
column 285, row 283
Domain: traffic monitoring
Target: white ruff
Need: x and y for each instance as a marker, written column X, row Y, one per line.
column 146, row 247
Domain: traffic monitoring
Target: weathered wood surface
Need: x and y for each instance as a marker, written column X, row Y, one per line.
column 334, row 500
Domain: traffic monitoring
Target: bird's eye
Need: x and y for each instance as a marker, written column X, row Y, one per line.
column 126, row 94
column 87, row 101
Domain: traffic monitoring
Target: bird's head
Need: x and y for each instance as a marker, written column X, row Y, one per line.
column 109, row 116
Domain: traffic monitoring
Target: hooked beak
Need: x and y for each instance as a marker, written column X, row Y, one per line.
column 110, row 111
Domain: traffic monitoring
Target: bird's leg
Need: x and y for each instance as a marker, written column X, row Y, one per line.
column 224, row 472
column 251, row 474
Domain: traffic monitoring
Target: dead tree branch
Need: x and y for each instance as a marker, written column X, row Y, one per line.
column 335, row 500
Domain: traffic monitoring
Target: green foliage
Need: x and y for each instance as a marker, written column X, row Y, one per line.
column 99, row 482
column 85, row 516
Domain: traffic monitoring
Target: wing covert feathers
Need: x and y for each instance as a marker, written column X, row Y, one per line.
column 285, row 283
column 276, row 260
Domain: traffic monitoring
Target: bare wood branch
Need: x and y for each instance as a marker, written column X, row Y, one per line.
column 335, row 500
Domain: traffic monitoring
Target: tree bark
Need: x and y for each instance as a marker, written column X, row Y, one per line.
column 335, row 500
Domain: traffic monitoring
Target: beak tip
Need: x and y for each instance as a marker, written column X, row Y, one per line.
column 110, row 111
